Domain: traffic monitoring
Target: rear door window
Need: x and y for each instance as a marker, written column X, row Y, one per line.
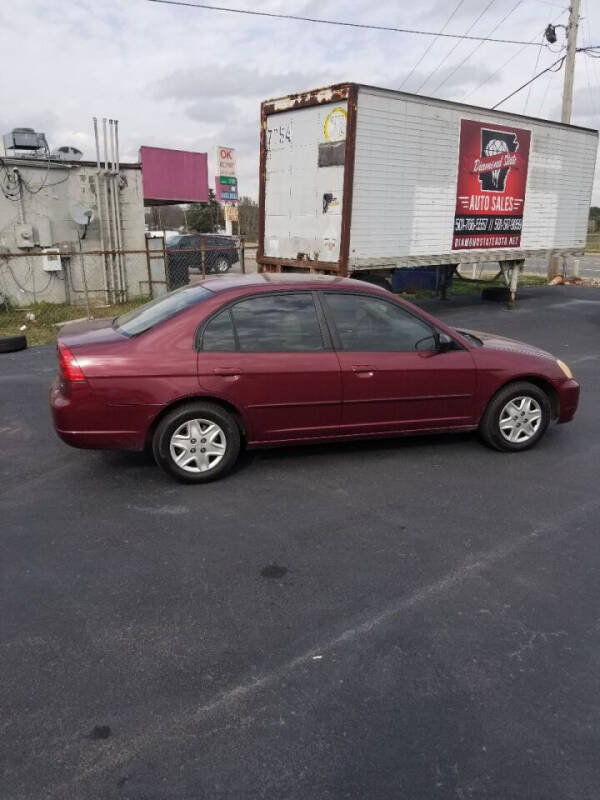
column 218, row 335
column 277, row 323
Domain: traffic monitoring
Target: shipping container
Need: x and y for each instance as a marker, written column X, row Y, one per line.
column 360, row 180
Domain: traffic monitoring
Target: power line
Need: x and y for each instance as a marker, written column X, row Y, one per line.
column 535, row 66
column 432, row 42
column 318, row 21
column 476, row 48
column 586, row 24
column 543, row 103
column 447, row 56
column 555, row 5
column 505, row 64
column 558, row 61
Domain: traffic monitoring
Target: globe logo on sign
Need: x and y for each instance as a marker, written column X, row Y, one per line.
column 495, row 144
column 495, row 147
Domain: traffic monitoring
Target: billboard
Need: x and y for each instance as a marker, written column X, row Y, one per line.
column 226, row 189
column 173, row 176
column 492, row 178
column 225, row 161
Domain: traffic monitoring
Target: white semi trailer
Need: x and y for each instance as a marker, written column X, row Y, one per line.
column 358, row 180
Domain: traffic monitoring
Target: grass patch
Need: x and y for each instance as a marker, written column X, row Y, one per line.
column 48, row 316
column 467, row 288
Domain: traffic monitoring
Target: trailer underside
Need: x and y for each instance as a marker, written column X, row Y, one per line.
column 379, row 271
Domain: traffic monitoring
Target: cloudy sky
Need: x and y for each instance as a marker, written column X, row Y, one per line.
column 188, row 78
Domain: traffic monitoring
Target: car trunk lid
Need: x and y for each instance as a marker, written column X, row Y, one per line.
column 90, row 332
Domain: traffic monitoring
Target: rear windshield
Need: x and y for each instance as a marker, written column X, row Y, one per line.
column 156, row 311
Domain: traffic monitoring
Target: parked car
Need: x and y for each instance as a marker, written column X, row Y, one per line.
column 268, row 359
column 187, row 253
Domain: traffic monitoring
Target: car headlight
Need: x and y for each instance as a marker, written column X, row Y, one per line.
column 564, row 368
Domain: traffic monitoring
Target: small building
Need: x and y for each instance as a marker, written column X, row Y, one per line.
column 53, row 205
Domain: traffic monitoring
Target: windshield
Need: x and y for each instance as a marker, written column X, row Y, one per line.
column 156, row 311
column 173, row 240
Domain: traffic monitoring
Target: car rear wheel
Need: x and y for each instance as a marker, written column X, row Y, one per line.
column 516, row 418
column 197, row 443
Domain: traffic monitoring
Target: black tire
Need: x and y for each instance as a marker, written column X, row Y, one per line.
column 489, row 427
column 498, row 294
column 172, row 421
column 10, row 344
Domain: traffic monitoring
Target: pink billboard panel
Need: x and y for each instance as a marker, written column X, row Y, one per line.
column 173, row 176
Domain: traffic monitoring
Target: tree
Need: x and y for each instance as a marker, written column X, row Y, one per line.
column 248, row 218
column 159, row 218
column 206, row 217
column 594, row 219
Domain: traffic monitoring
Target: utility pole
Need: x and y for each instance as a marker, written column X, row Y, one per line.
column 567, row 98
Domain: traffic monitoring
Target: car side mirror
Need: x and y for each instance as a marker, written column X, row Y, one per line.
column 444, row 342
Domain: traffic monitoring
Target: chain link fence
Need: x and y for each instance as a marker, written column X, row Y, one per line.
column 39, row 291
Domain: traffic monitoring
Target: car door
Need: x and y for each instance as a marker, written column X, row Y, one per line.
column 270, row 356
column 393, row 378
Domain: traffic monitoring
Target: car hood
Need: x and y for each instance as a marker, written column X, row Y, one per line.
column 90, row 331
column 492, row 341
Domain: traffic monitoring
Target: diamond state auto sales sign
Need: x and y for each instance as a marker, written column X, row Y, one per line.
column 492, row 178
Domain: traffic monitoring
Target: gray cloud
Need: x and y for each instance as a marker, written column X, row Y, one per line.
column 190, row 79
column 230, row 81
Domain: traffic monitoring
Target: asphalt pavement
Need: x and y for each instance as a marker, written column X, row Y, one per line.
column 413, row 618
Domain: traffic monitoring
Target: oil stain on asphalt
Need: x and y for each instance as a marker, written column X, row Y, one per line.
column 273, row 571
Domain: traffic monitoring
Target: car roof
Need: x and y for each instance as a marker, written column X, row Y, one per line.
column 284, row 280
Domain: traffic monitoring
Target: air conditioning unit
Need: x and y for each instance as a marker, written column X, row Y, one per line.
column 25, row 139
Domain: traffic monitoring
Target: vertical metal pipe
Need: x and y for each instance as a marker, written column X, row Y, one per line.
column 107, row 210
column 117, row 144
column 83, row 275
column 119, row 220
column 115, row 206
column 105, row 144
column 99, row 205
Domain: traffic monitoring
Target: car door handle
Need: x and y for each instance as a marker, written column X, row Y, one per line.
column 228, row 372
column 363, row 370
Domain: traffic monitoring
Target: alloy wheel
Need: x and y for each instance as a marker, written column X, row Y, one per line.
column 198, row 445
column 520, row 419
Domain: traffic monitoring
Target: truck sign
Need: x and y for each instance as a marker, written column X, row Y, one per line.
column 492, row 177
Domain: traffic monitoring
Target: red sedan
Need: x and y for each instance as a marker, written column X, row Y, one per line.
column 276, row 359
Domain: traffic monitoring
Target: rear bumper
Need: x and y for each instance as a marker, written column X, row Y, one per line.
column 81, row 421
column 568, row 400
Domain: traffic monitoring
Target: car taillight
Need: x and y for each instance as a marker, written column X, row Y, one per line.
column 69, row 368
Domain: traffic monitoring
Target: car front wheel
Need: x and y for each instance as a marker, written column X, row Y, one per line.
column 516, row 418
column 197, row 443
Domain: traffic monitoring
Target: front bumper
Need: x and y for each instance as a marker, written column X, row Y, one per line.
column 568, row 400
